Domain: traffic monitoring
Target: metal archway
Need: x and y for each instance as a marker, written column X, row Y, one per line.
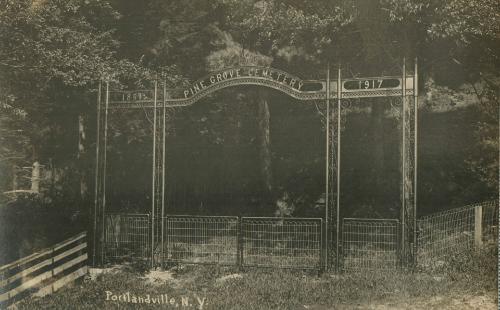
column 404, row 86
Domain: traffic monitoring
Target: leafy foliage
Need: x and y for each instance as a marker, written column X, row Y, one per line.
column 54, row 51
column 51, row 50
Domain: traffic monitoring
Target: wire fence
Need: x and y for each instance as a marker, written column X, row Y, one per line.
column 366, row 244
column 453, row 231
column 201, row 239
column 445, row 233
column 126, row 237
column 490, row 221
column 370, row 244
column 281, row 242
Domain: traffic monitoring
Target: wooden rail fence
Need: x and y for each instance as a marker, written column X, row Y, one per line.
column 44, row 272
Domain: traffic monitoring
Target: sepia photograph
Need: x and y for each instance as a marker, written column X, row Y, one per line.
column 249, row 154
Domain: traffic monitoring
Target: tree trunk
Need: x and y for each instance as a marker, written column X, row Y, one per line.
column 374, row 31
column 35, row 177
column 263, row 118
column 14, row 178
column 378, row 142
column 81, row 156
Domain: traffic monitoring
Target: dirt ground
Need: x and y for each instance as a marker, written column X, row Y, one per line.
column 466, row 302
column 484, row 302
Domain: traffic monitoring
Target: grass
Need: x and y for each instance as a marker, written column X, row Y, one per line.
column 472, row 274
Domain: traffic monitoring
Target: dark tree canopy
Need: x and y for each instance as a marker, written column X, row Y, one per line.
column 54, row 52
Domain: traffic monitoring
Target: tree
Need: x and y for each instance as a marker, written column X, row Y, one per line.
column 51, row 52
column 465, row 34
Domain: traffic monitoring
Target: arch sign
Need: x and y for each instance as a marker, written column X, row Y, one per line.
column 269, row 77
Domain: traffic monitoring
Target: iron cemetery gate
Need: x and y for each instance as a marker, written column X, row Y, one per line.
column 329, row 243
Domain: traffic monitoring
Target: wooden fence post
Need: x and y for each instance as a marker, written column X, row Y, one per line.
column 478, row 226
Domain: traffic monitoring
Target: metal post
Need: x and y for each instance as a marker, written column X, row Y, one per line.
column 415, row 151
column 153, row 192
column 163, row 172
column 403, row 164
column 327, row 168
column 339, row 99
column 96, row 185
column 239, row 244
column 104, row 169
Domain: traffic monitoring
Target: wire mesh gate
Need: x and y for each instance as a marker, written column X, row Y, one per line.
column 370, row 244
column 126, row 237
column 281, row 242
column 200, row 240
column 249, row 241
column 222, row 240
column 243, row 241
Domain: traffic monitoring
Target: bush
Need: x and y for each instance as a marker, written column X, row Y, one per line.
column 29, row 224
